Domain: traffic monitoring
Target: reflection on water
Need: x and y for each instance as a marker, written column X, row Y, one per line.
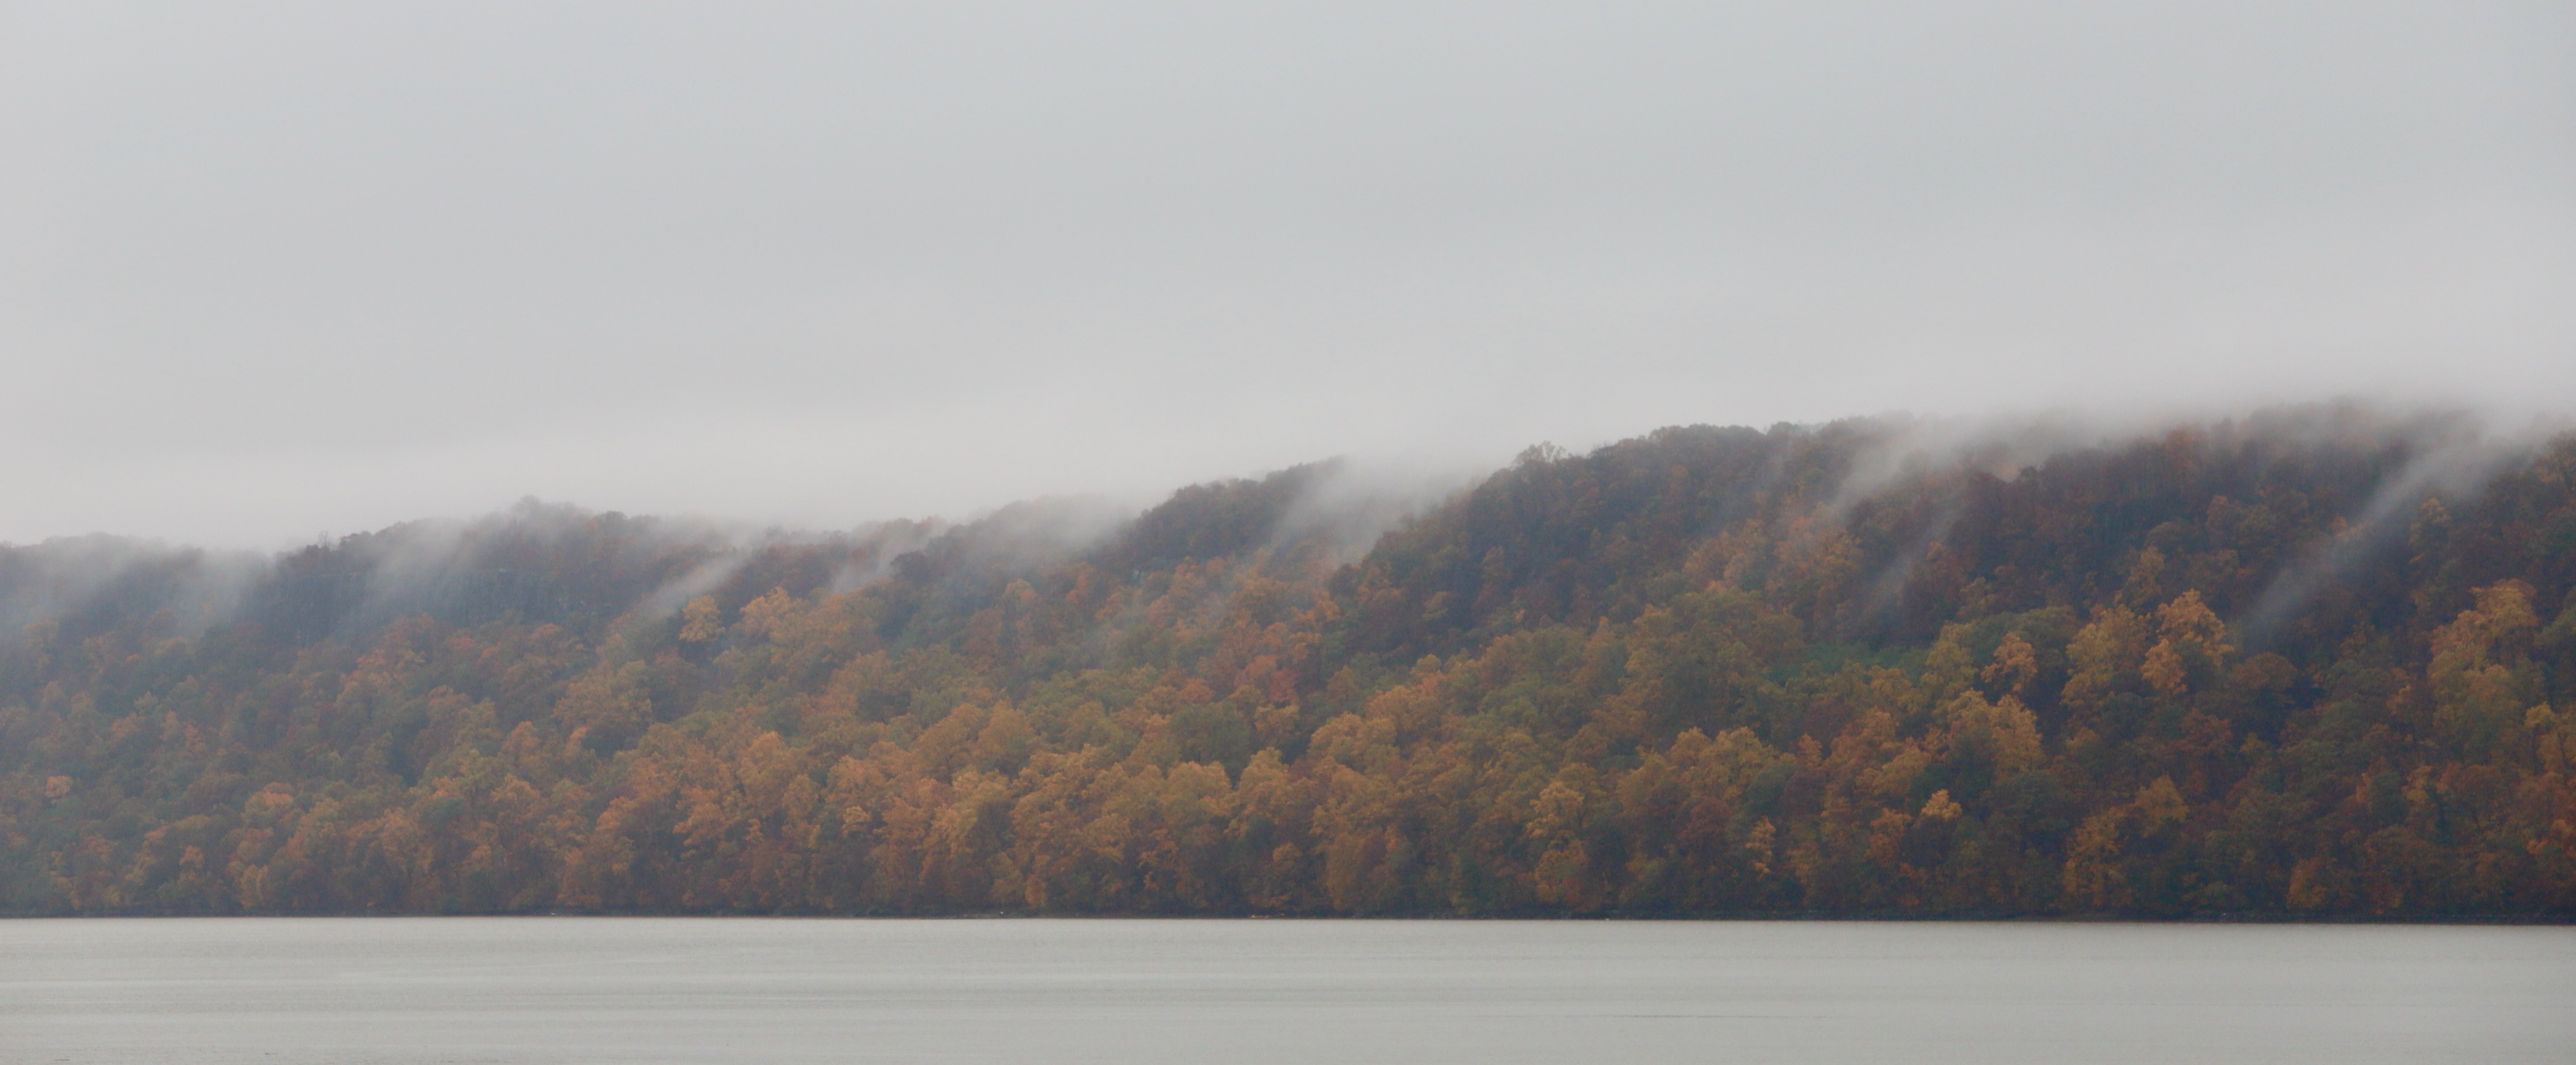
column 279, row 991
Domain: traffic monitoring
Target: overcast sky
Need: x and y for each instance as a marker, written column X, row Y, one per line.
column 273, row 270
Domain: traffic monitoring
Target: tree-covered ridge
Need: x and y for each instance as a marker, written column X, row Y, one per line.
column 2309, row 663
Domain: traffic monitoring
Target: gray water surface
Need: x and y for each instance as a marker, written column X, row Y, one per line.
column 533, row 989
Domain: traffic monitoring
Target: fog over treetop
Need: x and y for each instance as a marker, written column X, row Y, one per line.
column 282, row 269
column 555, row 563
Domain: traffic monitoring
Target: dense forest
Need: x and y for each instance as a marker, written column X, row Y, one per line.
column 2305, row 663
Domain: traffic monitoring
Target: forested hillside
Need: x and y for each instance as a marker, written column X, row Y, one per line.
column 2307, row 663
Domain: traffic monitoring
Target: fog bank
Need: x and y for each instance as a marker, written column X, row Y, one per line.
column 279, row 269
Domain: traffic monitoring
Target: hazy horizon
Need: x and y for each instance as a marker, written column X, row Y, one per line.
column 283, row 269
column 1371, row 494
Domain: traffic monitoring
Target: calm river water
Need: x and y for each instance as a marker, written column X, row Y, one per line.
column 409, row 990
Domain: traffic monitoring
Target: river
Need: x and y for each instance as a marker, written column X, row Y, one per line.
column 284, row 991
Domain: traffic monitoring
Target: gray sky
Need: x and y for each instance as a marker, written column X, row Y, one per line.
column 268, row 270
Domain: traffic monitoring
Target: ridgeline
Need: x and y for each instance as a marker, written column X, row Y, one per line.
column 2314, row 663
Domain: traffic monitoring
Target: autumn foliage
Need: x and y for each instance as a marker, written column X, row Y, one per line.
column 2307, row 664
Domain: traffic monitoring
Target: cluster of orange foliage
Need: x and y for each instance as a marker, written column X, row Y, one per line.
column 1706, row 671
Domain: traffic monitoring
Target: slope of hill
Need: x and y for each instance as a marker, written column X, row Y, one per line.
column 2310, row 663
